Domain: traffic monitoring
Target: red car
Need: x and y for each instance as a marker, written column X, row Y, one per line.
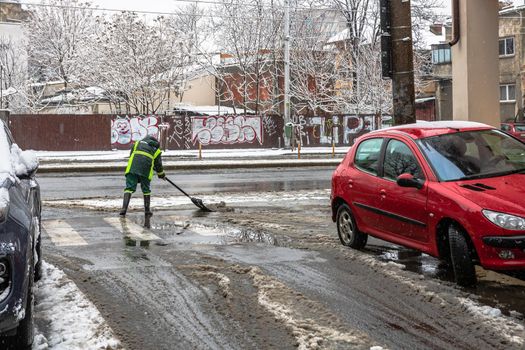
column 515, row 129
column 454, row 190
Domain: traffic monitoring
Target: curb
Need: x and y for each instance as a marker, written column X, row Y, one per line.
column 191, row 165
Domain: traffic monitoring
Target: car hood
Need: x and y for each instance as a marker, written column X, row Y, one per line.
column 503, row 193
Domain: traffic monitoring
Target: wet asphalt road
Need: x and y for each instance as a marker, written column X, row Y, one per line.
column 82, row 185
column 264, row 275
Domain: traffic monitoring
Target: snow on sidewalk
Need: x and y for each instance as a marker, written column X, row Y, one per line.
column 206, row 153
column 72, row 321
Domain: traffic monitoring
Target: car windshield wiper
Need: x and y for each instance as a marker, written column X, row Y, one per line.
column 501, row 173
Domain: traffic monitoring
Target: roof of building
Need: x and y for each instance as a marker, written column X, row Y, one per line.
column 210, row 110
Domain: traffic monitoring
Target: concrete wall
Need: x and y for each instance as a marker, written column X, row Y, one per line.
column 475, row 62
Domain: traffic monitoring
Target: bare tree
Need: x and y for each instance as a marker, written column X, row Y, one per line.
column 248, row 36
column 60, row 33
column 139, row 63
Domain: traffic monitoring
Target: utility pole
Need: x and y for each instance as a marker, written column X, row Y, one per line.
column 286, row 61
column 402, row 61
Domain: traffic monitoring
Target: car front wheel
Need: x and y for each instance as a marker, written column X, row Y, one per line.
column 349, row 234
column 462, row 264
column 24, row 332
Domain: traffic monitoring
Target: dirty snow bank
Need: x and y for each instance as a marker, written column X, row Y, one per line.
column 508, row 327
column 170, row 202
column 72, row 321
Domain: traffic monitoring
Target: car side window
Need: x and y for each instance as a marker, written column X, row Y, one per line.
column 367, row 155
column 399, row 159
column 505, row 127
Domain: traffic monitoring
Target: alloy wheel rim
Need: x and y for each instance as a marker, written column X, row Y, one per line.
column 346, row 227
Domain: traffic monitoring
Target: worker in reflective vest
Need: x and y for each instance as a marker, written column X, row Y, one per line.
column 145, row 158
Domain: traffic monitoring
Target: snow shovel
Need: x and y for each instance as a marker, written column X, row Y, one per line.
column 196, row 201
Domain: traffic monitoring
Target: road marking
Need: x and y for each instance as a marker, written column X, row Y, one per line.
column 131, row 230
column 62, row 234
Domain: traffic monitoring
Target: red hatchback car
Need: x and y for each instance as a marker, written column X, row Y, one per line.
column 515, row 129
column 454, row 190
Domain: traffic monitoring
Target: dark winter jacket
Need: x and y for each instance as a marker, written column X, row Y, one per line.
column 145, row 157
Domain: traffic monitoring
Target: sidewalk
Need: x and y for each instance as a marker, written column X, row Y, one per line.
column 115, row 161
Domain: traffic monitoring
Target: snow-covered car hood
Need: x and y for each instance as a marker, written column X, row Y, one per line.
column 503, row 193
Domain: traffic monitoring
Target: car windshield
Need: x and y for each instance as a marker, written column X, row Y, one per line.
column 519, row 127
column 473, row 154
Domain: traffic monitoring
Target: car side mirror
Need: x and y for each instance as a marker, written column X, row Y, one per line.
column 25, row 163
column 408, row 180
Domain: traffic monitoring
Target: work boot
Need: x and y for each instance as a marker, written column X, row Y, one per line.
column 125, row 203
column 147, row 203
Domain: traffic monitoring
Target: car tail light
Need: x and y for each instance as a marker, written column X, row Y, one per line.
column 4, row 204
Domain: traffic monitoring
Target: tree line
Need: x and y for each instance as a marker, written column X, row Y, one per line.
column 143, row 65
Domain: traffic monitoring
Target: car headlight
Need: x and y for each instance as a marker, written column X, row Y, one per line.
column 4, row 204
column 506, row 221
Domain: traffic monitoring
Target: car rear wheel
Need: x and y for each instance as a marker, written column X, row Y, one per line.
column 460, row 257
column 349, row 234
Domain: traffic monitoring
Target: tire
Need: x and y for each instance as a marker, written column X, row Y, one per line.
column 25, row 330
column 460, row 257
column 349, row 234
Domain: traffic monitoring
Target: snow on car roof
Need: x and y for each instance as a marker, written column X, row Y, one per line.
column 423, row 129
column 6, row 168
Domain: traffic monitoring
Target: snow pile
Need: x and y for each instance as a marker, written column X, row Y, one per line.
column 24, row 162
column 72, row 320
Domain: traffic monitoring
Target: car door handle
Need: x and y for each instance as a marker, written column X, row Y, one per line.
column 382, row 193
column 350, row 183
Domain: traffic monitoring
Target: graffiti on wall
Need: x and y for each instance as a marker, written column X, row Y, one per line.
column 354, row 125
column 270, row 125
column 323, row 130
column 227, row 130
column 126, row 130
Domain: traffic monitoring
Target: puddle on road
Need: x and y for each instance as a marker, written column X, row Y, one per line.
column 181, row 229
column 505, row 291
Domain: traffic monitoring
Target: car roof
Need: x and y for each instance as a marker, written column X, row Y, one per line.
column 423, row 129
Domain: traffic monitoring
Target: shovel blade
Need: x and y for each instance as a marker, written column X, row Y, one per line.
column 199, row 204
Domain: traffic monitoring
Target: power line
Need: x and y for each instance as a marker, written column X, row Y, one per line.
column 160, row 13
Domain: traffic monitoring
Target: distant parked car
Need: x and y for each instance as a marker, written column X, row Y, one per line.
column 454, row 190
column 20, row 248
column 515, row 129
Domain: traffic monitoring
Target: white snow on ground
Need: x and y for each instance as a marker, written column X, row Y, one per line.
column 172, row 202
column 73, row 322
column 215, row 153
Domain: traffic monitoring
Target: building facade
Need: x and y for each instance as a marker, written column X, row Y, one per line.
column 511, row 67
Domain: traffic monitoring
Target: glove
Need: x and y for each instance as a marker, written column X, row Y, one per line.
column 162, row 176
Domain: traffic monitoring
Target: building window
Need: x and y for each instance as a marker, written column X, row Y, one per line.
column 441, row 54
column 507, row 93
column 506, row 46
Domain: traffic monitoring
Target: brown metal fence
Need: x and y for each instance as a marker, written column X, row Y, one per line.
column 62, row 132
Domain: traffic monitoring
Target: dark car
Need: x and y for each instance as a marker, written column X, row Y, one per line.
column 453, row 190
column 20, row 257
column 515, row 129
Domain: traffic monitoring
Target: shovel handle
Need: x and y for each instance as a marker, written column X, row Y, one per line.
column 177, row 187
